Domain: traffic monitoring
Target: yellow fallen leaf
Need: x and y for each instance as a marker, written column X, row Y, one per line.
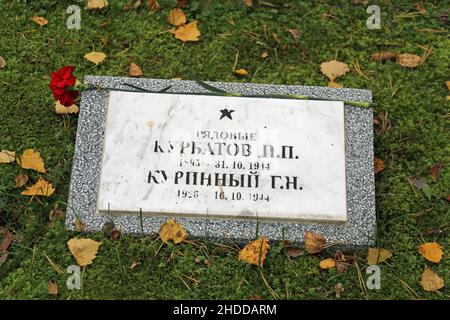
column 431, row 281
column 314, row 242
column 40, row 188
column 21, row 180
column 432, row 251
column 377, row 255
column 95, row 57
column 447, row 83
column 327, row 263
column 176, row 17
column 31, row 159
column 40, row 20
column 172, row 230
column 134, row 70
column 52, row 288
column 84, row 250
column 255, row 252
column 188, row 32
column 378, row 165
column 333, row 84
column 334, row 69
column 61, row 109
column 241, row 72
column 97, row 4
column 408, row 60
column 7, row 156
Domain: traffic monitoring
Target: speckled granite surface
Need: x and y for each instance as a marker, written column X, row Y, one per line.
column 358, row 231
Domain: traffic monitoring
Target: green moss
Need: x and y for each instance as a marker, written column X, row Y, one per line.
column 417, row 139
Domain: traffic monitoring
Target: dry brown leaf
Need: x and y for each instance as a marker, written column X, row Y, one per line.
column 8, row 238
column 21, row 180
column 172, row 230
column 338, row 288
column 95, row 57
column 275, row 37
column 2, row 62
column 327, row 263
column 378, row 165
column 248, row 3
column 97, row 4
column 52, row 288
column 62, row 109
column 188, row 32
column 420, row 8
column 314, row 242
column 153, row 5
column 431, row 281
column 55, row 213
column 7, row 156
column 79, row 226
column 3, row 258
column 40, row 20
column 408, row 60
column 115, row 233
column 295, row 33
column 130, row 5
column 31, row 159
column 182, row 3
column 377, row 255
column 40, row 188
column 447, row 83
column 334, row 69
column 255, row 252
column 383, row 56
column 294, row 252
column 84, row 250
column 134, row 70
column 176, row 17
column 432, row 251
column 333, row 84
column 436, row 171
column 342, row 267
column 264, row 54
column 241, row 73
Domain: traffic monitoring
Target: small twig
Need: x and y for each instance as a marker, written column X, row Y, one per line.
column 272, row 292
column 184, row 282
column 53, row 264
column 410, row 290
column 360, row 277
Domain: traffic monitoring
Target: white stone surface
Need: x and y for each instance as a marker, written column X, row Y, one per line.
column 314, row 130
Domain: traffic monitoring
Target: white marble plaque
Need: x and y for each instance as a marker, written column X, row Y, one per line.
column 223, row 157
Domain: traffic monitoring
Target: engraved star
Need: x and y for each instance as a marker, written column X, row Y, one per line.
column 226, row 113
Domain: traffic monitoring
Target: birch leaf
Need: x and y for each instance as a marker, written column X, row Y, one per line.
column 40, row 188
column 31, row 159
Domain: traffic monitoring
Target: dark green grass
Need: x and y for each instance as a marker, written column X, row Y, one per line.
column 417, row 139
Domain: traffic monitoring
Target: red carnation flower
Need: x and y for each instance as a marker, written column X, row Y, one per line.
column 62, row 83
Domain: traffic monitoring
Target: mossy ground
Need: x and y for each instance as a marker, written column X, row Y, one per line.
column 413, row 99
